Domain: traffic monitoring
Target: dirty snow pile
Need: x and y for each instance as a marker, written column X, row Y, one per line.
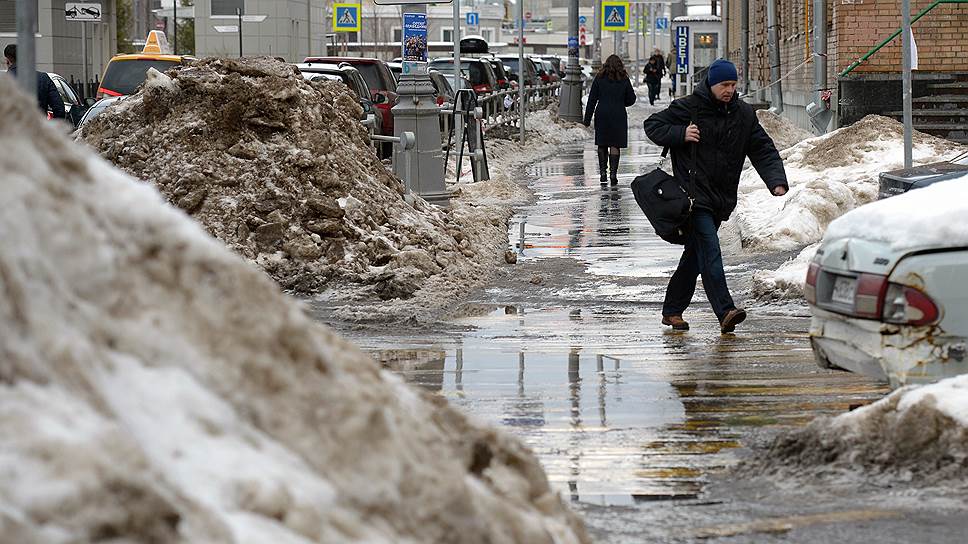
column 829, row 176
column 280, row 169
column 786, row 282
column 156, row 388
column 783, row 132
column 916, row 434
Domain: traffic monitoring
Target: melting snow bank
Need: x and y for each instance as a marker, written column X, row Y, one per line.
column 783, row 132
column 281, row 170
column 916, row 434
column 154, row 387
column 829, row 176
column 487, row 204
column 786, row 282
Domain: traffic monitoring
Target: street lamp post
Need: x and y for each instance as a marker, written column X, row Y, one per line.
column 26, row 52
column 569, row 106
column 906, row 79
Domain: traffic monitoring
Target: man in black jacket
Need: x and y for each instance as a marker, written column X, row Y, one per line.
column 47, row 96
column 720, row 131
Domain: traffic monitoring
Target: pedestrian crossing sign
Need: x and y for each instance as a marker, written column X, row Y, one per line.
column 615, row 16
column 346, row 17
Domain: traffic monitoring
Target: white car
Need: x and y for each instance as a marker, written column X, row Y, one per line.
column 888, row 288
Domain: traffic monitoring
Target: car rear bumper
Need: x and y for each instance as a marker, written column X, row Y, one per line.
column 899, row 355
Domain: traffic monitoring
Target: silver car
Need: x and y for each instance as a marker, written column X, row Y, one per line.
column 896, row 311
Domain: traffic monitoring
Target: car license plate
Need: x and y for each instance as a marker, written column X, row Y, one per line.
column 844, row 290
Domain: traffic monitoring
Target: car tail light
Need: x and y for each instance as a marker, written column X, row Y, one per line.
column 905, row 305
column 869, row 299
column 810, row 288
column 482, row 88
column 440, row 101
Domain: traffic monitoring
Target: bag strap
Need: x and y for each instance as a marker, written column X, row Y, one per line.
column 694, row 118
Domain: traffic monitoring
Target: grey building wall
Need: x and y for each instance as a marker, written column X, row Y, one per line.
column 293, row 29
column 58, row 41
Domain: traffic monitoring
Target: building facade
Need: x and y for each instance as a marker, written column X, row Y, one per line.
column 854, row 27
column 58, row 41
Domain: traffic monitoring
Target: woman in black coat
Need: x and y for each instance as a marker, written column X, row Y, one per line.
column 611, row 93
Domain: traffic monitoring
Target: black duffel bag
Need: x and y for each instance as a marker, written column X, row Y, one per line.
column 666, row 203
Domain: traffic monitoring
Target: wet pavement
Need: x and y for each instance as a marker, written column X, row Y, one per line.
column 636, row 425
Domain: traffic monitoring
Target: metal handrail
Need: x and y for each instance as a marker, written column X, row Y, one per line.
column 897, row 33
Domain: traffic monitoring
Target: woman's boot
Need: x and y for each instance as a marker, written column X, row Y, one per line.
column 603, row 164
column 612, row 169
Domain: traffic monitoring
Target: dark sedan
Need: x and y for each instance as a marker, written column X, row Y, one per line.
column 901, row 181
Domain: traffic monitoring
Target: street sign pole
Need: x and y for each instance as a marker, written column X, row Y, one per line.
column 906, row 79
column 174, row 18
column 569, row 107
column 456, row 37
column 522, row 101
column 638, row 46
column 26, row 54
column 84, row 57
column 238, row 11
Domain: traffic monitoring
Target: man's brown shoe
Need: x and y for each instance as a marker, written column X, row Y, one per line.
column 676, row 322
column 732, row 318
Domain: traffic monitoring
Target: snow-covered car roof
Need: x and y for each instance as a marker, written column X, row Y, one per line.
column 931, row 217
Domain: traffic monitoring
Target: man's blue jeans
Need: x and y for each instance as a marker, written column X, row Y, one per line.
column 701, row 257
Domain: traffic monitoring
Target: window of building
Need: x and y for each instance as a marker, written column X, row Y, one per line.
column 397, row 35
column 488, row 34
column 227, row 7
column 8, row 15
column 447, row 34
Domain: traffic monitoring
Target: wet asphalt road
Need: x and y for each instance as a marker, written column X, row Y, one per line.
column 636, row 425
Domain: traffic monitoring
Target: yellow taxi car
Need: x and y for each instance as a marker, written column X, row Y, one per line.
column 125, row 73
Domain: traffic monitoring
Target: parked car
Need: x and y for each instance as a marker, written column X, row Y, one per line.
column 558, row 63
column 396, row 68
column 546, row 72
column 501, row 73
column 97, row 108
column 886, row 288
column 351, row 77
column 530, row 70
column 74, row 107
column 379, row 79
column 443, row 91
column 480, row 72
column 901, row 181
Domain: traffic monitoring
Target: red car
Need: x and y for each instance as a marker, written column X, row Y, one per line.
column 383, row 86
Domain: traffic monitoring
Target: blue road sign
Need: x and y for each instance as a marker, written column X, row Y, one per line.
column 473, row 19
column 582, row 20
column 682, row 49
column 346, row 17
column 662, row 23
column 616, row 16
column 572, row 42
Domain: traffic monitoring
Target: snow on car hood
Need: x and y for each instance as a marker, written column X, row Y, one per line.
column 930, row 217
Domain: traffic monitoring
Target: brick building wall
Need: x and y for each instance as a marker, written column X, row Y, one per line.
column 940, row 35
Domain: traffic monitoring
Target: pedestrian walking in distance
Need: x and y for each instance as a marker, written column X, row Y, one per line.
column 48, row 99
column 670, row 63
column 653, row 78
column 722, row 131
column 610, row 94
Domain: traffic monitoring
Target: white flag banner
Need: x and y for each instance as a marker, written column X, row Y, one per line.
column 914, row 52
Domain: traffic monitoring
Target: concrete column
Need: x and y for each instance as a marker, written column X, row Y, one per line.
column 569, row 104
